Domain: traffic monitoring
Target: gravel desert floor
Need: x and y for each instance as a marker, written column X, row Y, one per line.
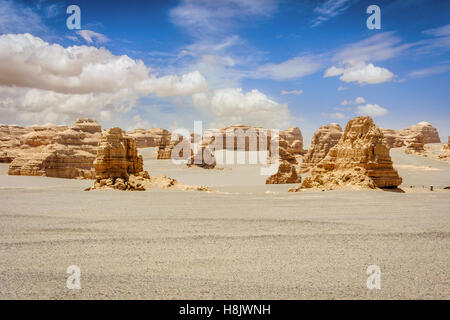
column 246, row 241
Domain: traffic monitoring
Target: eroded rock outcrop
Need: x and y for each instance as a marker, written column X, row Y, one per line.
column 287, row 167
column 425, row 129
column 119, row 166
column 421, row 132
column 294, row 138
column 153, row 137
column 415, row 144
column 58, row 151
column 359, row 160
column 445, row 154
column 323, row 140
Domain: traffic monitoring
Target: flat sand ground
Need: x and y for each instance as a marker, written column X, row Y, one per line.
column 242, row 243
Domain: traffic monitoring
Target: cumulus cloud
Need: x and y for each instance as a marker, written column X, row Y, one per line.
column 342, row 88
column 231, row 106
column 42, row 81
column 336, row 115
column 91, row 36
column 296, row 92
column 373, row 110
column 360, row 72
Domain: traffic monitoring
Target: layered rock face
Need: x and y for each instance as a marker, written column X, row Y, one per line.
column 153, row 137
column 117, row 156
column 58, row 151
column 404, row 137
column 445, row 154
column 119, row 166
column 429, row 133
column 293, row 136
column 415, row 144
column 359, row 159
column 15, row 140
column 323, row 140
column 287, row 169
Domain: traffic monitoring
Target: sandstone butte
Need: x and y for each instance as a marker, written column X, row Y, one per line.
column 323, row 140
column 119, row 166
column 445, row 154
column 359, row 160
column 287, row 167
column 400, row 138
column 58, row 151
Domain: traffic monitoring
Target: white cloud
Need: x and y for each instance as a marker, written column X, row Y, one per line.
column 290, row 69
column 430, row 71
column 91, row 36
column 361, row 73
column 202, row 17
column 440, row 31
column 17, row 18
column 231, row 106
column 358, row 100
column 329, row 9
column 380, row 47
column 342, row 88
column 43, row 82
column 373, row 110
column 296, row 92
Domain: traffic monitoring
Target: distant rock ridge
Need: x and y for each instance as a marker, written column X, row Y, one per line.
column 153, row 137
column 58, row 151
column 401, row 138
column 359, row 160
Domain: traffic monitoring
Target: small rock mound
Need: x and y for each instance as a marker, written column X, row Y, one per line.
column 445, row 154
column 360, row 159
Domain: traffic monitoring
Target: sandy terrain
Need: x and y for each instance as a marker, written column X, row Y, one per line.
column 246, row 243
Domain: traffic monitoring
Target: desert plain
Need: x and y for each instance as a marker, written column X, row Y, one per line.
column 246, row 240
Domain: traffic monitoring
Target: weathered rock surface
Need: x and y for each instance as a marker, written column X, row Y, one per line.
column 404, row 137
column 119, row 166
column 445, row 154
column 293, row 136
column 287, row 167
column 360, row 159
column 58, row 151
column 429, row 133
column 323, row 140
column 415, row 144
column 153, row 137
column 117, row 156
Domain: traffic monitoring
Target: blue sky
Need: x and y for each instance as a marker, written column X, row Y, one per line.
column 269, row 63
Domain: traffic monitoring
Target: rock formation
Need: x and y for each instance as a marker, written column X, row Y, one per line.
column 415, row 144
column 153, row 137
column 429, row 133
column 117, row 156
column 287, row 168
column 360, row 159
column 404, row 137
column 323, row 140
column 293, row 136
column 118, row 166
column 58, row 151
column 445, row 154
